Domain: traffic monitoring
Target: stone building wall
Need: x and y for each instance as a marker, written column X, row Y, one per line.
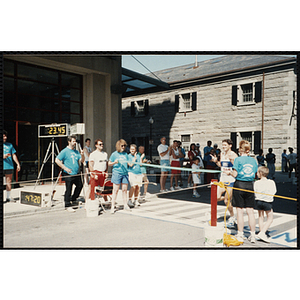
column 215, row 117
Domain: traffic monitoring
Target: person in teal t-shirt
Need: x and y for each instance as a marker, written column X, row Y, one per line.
column 68, row 160
column 9, row 157
column 244, row 170
column 119, row 161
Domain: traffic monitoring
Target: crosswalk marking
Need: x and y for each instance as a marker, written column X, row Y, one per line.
column 283, row 229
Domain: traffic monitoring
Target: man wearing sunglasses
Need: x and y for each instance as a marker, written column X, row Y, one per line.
column 98, row 165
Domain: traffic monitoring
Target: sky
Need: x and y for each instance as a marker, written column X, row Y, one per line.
column 160, row 62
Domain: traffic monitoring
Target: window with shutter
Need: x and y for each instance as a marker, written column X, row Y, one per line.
column 140, row 108
column 247, row 93
column 186, row 102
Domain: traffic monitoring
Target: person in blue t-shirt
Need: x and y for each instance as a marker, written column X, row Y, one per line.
column 244, row 170
column 9, row 157
column 119, row 161
column 69, row 160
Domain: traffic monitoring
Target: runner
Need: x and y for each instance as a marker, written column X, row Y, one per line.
column 226, row 163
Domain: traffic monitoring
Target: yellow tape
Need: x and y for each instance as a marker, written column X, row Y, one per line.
column 228, row 240
column 224, row 186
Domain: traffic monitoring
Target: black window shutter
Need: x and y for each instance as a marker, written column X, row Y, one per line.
column 146, row 107
column 257, row 141
column 234, row 95
column 258, row 90
column 176, row 103
column 132, row 109
column 194, row 101
column 233, row 136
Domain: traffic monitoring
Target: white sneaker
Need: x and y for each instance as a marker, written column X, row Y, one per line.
column 71, row 209
column 262, row 236
column 240, row 237
column 178, row 188
column 162, row 191
column 231, row 221
column 172, row 189
column 166, row 190
column 251, row 239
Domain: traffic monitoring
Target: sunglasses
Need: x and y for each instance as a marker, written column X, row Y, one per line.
column 100, row 144
column 123, row 145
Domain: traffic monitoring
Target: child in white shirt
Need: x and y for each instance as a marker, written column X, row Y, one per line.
column 264, row 202
column 197, row 164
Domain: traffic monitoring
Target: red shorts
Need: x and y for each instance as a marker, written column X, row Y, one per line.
column 176, row 164
column 96, row 182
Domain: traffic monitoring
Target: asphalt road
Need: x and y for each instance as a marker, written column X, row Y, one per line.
column 62, row 229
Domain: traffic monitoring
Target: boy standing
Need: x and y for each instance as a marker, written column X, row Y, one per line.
column 264, row 202
column 197, row 164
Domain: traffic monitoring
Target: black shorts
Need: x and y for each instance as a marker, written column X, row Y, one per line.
column 8, row 172
column 263, row 205
column 242, row 198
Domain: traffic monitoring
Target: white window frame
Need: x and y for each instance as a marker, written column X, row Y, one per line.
column 139, row 108
column 240, row 93
column 182, row 105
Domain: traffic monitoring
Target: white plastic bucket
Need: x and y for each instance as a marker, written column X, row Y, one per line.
column 92, row 208
column 214, row 235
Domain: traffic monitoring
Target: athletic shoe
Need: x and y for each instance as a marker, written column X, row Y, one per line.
column 130, row 204
column 70, row 209
column 196, row 195
column 172, row 189
column 162, row 191
column 251, row 239
column 231, row 222
column 178, row 188
column 262, row 236
column 166, row 190
column 240, row 238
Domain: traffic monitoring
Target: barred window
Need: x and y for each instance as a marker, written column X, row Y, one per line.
column 247, row 92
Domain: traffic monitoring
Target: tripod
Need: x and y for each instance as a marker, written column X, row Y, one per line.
column 47, row 156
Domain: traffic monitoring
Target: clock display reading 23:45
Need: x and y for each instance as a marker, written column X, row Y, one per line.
column 53, row 130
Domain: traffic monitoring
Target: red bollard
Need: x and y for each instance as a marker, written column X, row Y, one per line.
column 213, row 203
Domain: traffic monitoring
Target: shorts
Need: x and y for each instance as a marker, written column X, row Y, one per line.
column 228, row 184
column 165, row 162
column 135, row 179
column 118, row 178
column 176, row 164
column 8, row 172
column 243, row 199
column 96, row 182
column 263, row 205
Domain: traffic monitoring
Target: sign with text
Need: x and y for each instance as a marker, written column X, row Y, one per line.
column 35, row 198
column 53, row 130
